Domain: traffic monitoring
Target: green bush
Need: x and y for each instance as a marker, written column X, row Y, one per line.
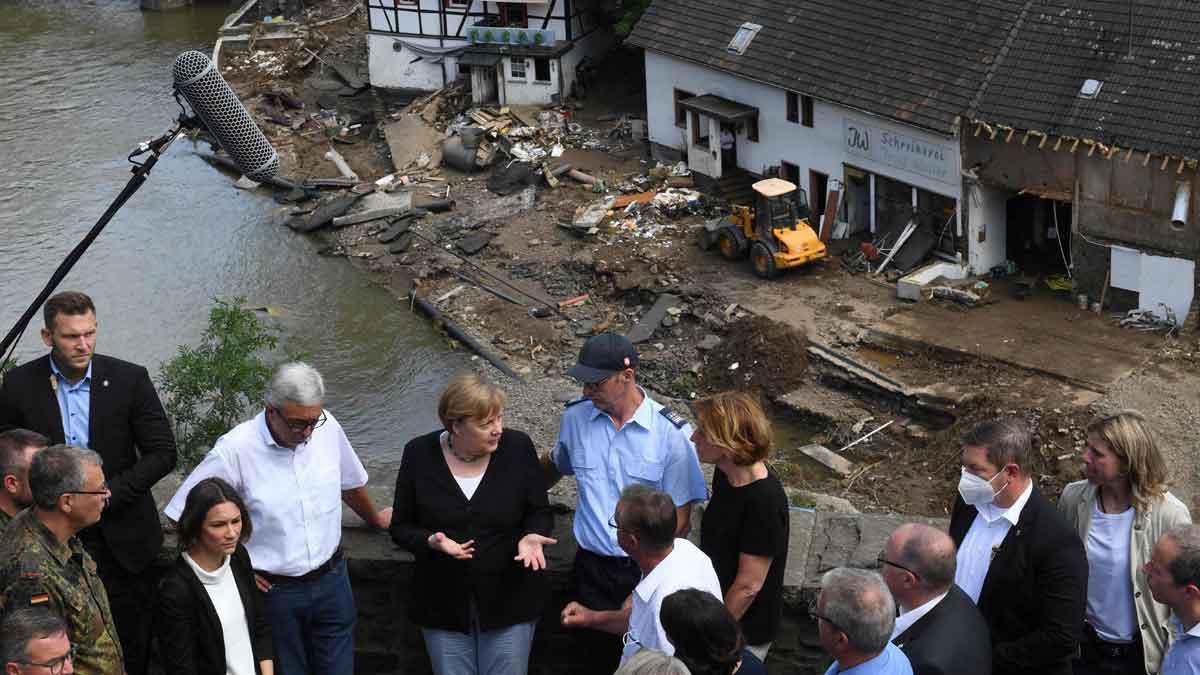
column 538, row 38
column 487, row 36
column 473, row 35
column 505, row 36
column 210, row 388
column 523, row 38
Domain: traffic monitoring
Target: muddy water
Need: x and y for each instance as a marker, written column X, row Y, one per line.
column 80, row 85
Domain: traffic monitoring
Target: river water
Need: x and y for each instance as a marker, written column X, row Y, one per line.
column 81, row 83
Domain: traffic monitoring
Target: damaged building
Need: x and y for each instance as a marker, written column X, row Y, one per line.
column 1049, row 137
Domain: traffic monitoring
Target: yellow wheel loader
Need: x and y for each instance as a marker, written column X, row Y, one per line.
column 775, row 232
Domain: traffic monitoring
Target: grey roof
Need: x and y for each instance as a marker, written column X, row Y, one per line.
column 919, row 61
column 1148, row 102
column 720, row 108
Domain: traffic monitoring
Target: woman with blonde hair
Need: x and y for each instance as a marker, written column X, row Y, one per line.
column 745, row 525
column 471, row 507
column 1120, row 511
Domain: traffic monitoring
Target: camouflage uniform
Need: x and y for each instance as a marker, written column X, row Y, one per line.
column 5, row 519
column 37, row 569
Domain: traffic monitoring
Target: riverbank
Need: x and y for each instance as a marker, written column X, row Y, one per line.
column 531, row 269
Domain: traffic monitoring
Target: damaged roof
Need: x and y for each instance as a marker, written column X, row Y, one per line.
column 1147, row 101
column 918, row 61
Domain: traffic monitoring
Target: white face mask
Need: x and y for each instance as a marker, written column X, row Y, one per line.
column 978, row 491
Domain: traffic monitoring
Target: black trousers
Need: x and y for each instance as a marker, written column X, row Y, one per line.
column 1100, row 657
column 601, row 583
column 131, row 597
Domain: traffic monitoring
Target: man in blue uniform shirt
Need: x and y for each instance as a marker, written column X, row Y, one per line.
column 616, row 436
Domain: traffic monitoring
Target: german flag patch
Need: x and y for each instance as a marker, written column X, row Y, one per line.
column 39, row 598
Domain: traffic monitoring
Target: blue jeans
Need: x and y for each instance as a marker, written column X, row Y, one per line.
column 504, row 651
column 312, row 624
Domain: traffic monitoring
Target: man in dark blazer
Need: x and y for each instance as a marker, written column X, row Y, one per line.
column 80, row 398
column 939, row 629
column 1017, row 558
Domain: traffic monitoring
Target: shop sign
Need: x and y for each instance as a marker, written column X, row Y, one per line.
column 932, row 160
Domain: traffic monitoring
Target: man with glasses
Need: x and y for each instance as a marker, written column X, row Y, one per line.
column 616, row 436
column 78, row 397
column 294, row 467
column 939, row 629
column 1173, row 574
column 855, row 614
column 44, row 564
column 17, row 448
column 34, row 642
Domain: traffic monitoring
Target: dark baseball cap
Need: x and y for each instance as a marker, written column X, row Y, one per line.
column 603, row 356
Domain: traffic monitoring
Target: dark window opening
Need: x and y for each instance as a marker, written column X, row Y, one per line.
column 541, row 70
column 752, row 129
column 790, row 172
column 698, row 140
column 680, row 112
column 806, row 113
column 793, row 107
column 514, row 15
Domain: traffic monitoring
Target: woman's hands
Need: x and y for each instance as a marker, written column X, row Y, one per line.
column 438, row 541
column 529, row 550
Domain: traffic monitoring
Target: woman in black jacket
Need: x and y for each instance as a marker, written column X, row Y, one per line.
column 209, row 618
column 471, row 506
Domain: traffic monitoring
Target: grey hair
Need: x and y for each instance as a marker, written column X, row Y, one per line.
column 1007, row 441
column 651, row 662
column 930, row 554
column 1185, row 568
column 58, row 470
column 21, row 626
column 297, row 383
column 859, row 604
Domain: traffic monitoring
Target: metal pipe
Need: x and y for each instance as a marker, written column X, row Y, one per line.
column 1183, row 197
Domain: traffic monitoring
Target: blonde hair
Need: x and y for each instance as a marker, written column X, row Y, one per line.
column 735, row 421
column 469, row 395
column 1128, row 435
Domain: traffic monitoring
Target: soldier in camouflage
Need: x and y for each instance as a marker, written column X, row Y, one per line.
column 42, row 562
column 17, row 448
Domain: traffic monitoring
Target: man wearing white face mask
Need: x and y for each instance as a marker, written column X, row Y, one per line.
column 1020, row 562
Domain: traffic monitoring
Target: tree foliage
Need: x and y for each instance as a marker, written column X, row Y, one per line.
column 629, row 13
column 210, row 387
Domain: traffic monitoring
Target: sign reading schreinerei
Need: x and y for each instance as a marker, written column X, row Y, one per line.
column 932, row 160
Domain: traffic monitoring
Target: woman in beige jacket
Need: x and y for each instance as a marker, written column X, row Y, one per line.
column 1120, row 511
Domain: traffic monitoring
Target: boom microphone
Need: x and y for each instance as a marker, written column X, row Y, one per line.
column 224, row 115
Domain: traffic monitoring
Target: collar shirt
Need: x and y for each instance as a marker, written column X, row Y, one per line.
column 982, row 540
column 652, row 448
column 891, row 661
column 684, row 567
column 294, row 496
column 1183, row 658
column 908, row 618
column 74, row 404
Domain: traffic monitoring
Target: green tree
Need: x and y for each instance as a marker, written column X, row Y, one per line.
column 628, row 14
column 209, row 388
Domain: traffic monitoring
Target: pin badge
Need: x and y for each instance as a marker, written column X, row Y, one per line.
column 104, row 383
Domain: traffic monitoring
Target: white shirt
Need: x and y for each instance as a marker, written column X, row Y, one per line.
column 979, row 546
column 468, row 485
column 908, row 618
column 684, row 567
column 223, row 591
column 1110, row 607
column 294, row 496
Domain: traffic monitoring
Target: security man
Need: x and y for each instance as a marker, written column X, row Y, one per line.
column 616, row 436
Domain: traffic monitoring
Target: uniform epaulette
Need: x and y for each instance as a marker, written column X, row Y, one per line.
column 568, row 404
column 673, row 417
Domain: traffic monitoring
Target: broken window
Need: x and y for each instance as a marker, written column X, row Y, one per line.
column 516, row 69
column 680, row 111
column 806, row 111
column 793, row 106
column 541, row 70
column 741, row 39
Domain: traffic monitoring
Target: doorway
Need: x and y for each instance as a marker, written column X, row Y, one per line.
column 818, row 189
column 1038, row 233
column 728, row 147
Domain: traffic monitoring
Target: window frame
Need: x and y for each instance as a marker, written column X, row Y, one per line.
column 512, row 74
column 752, row 129
column 784, row 165
column 806, row 111
column 680, row 112
column 549, row 70
column 456, row 4
column 793, row 106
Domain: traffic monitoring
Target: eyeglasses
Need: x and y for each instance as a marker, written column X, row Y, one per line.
column 102, row 491
column 55, row 666
column 597, row 385
column 816, row 615
column 884, row 561
column 301, row 426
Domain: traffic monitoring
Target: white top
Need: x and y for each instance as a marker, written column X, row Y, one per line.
column 223, row 591
column 1110, row 607
column 983, row 539
column 294, row 495
column 468, row 485
column 909, row 617
column 684, row 567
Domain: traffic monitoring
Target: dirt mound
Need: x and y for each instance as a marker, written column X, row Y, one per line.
column 770, row 357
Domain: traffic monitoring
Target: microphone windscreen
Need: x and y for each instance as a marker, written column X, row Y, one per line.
column 222, row 112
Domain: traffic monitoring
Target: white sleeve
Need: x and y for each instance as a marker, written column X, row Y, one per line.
column 213, row 465
column 354, row 475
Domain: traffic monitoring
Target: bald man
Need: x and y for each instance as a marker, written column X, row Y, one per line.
column 939, row 628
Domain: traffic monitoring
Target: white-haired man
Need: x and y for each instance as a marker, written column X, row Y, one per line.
column 294, row 466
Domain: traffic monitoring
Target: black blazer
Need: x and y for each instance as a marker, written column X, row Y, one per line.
column 127, row 428
column 509, row 503
column 186, row 625
column 952, row 638
column 1035, row 593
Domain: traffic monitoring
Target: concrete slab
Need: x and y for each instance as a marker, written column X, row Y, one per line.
column 408, row 137
column 650, row 321
column 829, row 459
column 852, row 540
column 1044, row 334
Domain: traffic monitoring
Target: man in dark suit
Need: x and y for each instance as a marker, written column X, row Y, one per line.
column 84, row 399
column 939, row 629
column 1020, row 562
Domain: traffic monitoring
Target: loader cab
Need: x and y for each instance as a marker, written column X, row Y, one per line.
column 779, row 205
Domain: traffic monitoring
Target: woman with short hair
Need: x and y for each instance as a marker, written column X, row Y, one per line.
column 1120, row 510
column 705, row 635
column 744, row 529
column 209, row 617
column 471, row 506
